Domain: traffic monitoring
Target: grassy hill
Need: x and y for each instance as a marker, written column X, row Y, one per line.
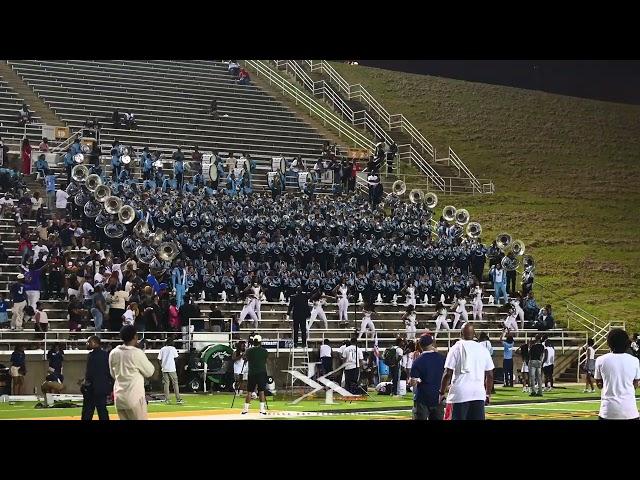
column 566, row 171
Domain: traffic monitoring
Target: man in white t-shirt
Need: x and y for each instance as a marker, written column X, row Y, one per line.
column 167, row 357
column 354, row 361
column 87, row 291
column 617, row 375
column 61, row 200
column 470, row 365
column 547, row 365
column 129, row 317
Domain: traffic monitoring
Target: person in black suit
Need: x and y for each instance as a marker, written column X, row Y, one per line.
column 97, row 382
column 299, row 305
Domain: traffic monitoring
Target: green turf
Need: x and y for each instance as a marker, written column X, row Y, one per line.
column 566, row 172
column 222, row 401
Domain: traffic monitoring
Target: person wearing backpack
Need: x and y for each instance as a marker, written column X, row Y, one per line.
column 392, row 358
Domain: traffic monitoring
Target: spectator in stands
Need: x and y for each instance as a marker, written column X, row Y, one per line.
column 213, row 108
column 25, row 153
column 61, row 202
column 234, row 68
column 76, row 313
column 545, row 320
column 24, row 114
column 129, row 366
column 469, row 369
column 41, row 319
column 97, row 382
column 243, row 77
column 178, row 168
column 98, row 307
column 115, row 116
column 617, row 375
column 116, row 162
column 44, row 145
column 4, row 316
column 18, row 369
column 94, row 157
column 18, row 301
column 129, row 120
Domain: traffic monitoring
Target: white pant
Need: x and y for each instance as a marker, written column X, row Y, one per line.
column 456, row 317
column 367, row 324
column 511, row 324
column 343, row 308
column 256, row 307
column 317, row 312
column 411, row 301
column 248, row 310
column 411, row 331
column 441, row 321
column 17, row 314
column 520, row 313
column 33, row 297
column 477, row 310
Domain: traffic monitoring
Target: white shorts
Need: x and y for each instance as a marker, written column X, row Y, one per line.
column 525, row 368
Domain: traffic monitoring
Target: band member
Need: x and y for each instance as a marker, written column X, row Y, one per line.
column 179, row 281
column 515, row 302
column 510, row 323
column 147, row 164
column 178, row 168
column 441, row 318
column 461, row 311
column 116, row 163
column 410, row 292
column 343, row 301
column 249, row 308
column 409, row 319
column 257, row 303
column 477, row 302
column 367, row 322
column 319, row 300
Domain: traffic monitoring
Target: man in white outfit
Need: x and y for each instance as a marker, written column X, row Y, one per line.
column 477, row 303
column 318, row 312
column 367, row 323
column 343, row 303
column 510, row 323
column 167, row 357
column 257, row 304
column 129, row 366
column 441, row 319
column 460, row 312
column 249, row 309
column 519, row 312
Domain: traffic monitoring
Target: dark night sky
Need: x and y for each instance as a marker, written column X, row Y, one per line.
column 612, row 80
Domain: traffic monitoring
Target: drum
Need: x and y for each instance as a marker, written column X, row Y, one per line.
column 278, row 163
column 303, row 178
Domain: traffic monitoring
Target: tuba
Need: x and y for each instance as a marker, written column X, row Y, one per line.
column 81, row 198
column 93, row 181
column 398, row 188
column 102, row 219
column 114, row 230
column 126, row 214
column 141, row 229
column 462, row 216
column 112, row 205
column 449, row 213
column 128, row 245
column 145, row 254
column 517, row 247
column 167, row 251
column 73, row 189
column 510, row 262
column 416, row 196
column 101, row 193
column 80, row 173
column 430, row 200
column 474, row 229
column 503, row 240
column 92, row 208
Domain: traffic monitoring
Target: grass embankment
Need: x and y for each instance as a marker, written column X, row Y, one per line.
column 566, row 172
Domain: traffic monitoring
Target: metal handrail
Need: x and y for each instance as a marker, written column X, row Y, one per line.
column 62, row 146
column 395, row 121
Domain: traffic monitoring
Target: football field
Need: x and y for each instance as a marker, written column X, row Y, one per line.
column 566, row 402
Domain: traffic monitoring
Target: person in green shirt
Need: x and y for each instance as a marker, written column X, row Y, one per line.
column 256, row 357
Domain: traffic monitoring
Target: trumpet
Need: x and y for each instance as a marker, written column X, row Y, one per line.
column 449, row 213
column 80, row 173
column 416, row 196
column 398, row 188
column 112, row 205
column 126, row 214
column 93, row 181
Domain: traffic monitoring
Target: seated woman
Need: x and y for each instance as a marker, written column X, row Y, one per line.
column 41, row 166
column 243, row 77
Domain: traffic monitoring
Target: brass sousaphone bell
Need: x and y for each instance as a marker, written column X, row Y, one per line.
column 114, row 230
column 112, row 205
column 92, row 182
column 517, row 247
column 474, row 230
column 503, row 240
column 430, row 200
column 398, row 188
column 416, row 196
column 79, row 173
column 101, row 193
column 462, row 216
column 167, row 251
column 449, row 213
column 126, row 214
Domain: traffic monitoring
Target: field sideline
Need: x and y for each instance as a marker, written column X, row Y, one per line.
column 565, row 402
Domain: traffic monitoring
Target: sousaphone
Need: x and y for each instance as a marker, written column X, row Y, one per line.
column 449, row 213
column 79, row 173
column 398, row 188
